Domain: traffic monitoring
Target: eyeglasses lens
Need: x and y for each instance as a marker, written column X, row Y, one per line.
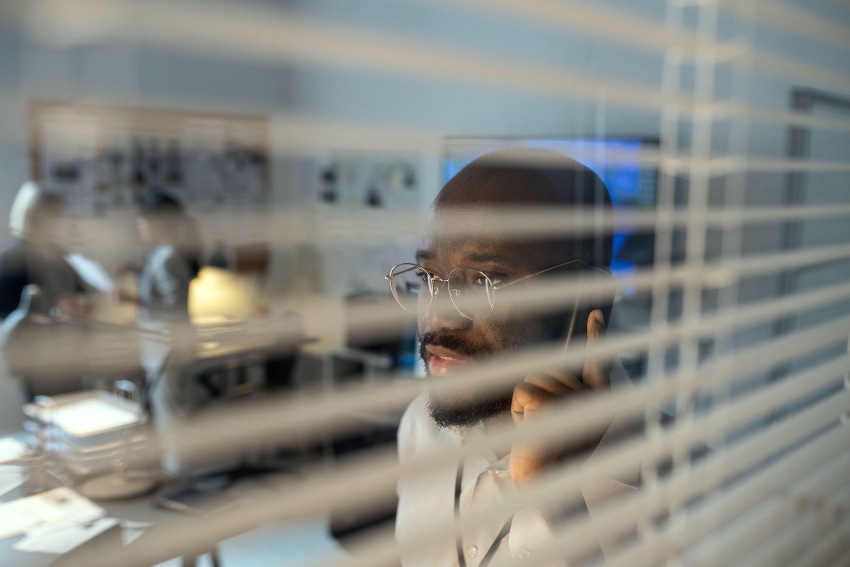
column 411, row 287
column 472, row 293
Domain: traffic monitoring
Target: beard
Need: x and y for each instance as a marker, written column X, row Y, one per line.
column 467, row 409
column 470, row 407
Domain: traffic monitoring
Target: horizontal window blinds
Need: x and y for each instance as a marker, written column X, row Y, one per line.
column 733, row 327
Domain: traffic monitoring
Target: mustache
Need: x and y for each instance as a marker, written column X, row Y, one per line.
column 452, row 342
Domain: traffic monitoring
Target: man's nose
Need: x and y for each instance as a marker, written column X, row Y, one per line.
column 442, row 314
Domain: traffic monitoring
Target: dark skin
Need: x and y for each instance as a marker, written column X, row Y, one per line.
column 505, row 329
column 539, row 391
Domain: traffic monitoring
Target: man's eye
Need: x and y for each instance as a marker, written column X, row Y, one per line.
column 498, row 279
column 479, row 280
column 422, row 275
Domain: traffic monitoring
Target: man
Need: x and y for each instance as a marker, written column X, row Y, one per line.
column 454, row 287
column 34, row 256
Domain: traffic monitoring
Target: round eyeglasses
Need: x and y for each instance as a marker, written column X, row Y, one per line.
column 471, row 291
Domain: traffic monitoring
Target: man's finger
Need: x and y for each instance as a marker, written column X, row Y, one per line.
column 527, row 399
column 595, row 375
column 556, row 385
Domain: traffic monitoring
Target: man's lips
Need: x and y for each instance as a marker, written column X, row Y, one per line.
column 442, row 360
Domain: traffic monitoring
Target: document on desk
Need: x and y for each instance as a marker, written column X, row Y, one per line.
column 57, row 505
column 62, row 537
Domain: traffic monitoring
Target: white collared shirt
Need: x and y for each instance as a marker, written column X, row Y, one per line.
column 428, row 500
column 163, row 285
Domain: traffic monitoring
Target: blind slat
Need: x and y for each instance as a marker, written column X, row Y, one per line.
column 795, row 20
column 829, row 547
column 293, row 38
column 656, row 547
column 784, row 547
column 734, row 542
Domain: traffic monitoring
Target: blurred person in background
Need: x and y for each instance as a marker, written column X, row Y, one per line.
column 460, row 323
column 170, row 343
column 39, row 348
column 173, row 260
column 34, row 256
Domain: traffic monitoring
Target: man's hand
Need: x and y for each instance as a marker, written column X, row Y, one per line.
column 538, row 391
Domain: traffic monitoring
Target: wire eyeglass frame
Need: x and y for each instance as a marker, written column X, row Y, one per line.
column 456, row 292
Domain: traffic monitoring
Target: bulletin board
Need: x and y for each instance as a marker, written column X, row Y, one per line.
column 102, row 157
column 358, row 196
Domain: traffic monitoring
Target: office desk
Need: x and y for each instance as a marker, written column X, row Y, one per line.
column 268, row 344
column 299, row 543
column 136, row 509
column 216, row 351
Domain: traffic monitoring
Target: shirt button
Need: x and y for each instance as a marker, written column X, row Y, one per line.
column 472, row 551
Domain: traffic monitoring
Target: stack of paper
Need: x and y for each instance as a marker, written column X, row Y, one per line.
column 91, row 416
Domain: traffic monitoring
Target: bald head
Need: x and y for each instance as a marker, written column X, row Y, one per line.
column 532, row 178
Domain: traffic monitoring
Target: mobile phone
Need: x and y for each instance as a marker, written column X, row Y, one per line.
column 569, row 328
column 575, row 328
